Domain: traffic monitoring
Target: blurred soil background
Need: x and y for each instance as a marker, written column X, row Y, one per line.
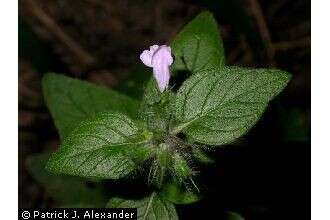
column 265, row 176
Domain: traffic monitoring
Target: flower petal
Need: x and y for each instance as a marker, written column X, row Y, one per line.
column 153, row 48
column 146, row 58
column 163, row 55
column 162, row 76
column 160, row 58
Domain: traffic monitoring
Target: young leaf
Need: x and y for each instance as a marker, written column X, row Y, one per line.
column 151, row 95
column 66, row 191
column 178, row 195
column 70, row 101
column 181, row 168
column 156, row 107
column 201, row 156
column 160, row 164
column 217, row 106
column 152, row 207
column 109, row 146
column 198, row 46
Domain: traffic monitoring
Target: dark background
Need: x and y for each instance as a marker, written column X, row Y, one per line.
column 265, row 175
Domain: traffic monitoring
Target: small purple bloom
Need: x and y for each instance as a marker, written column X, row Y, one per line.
column 159, row 58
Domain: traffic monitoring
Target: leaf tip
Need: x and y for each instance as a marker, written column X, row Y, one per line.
column 205, row 14
column 285, row 77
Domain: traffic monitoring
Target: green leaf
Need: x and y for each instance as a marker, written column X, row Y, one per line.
column 201, row 156
column 152, row 207
column 66, row 191
column 198, row 46
column 181, row 168
column 178, row 195
column 152, row 94
column 70, row 101
column 156, row 107
column 109, row 146
column 160, row 165
column 217, row 106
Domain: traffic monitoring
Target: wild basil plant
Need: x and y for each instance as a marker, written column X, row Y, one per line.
column 108, row 135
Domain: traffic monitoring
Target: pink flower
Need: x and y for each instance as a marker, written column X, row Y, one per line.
column 159, row 58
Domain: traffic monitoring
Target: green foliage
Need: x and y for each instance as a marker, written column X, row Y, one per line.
column 201, row 156
column 152, row 95
column 156, row 107
column 178, row 195
column 198, row 46
column 70, row 101
column 66, row 191
column 152, row 207
column 107, row 135
column 181, row 168
column 158, row 169
column 217, row 106
column 108, row 146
